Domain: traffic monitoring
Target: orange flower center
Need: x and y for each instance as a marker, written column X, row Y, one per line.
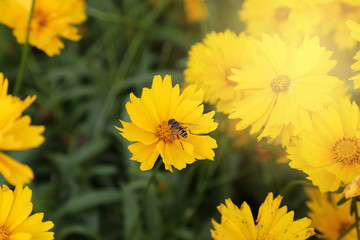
column 280, row 84
column 3, row 234
column 347, row 150
column 282, row 13
column 163, row 132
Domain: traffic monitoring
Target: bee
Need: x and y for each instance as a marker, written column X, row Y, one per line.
column 179, row 129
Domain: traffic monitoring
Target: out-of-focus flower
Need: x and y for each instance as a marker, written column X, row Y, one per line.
column 282, row 86
column 353, row 188
column 15, row 219
column 330, row 152
column 16, row 133
column 238, row 224
column 51, row 20
column 332, row 26
column 195, row 10
column 210, row 64
column 355, row 33
column 291, row 19
column 330, row 219
column 167, row 123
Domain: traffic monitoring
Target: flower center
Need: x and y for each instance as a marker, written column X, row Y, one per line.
column 163, row 132
column 3, row 234
column 346, row 150
column 282, row 13
column 280, row 84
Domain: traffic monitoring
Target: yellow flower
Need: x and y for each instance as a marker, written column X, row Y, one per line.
column 353, row 188
column 334, row 15
column 273, row 223
column 178, row 142
column 16, row 133
column 330, row 152
column 15, row 220
column 283, row 85
column 330, row 219
column 210, row 64
column 291, row 19
column 50, row 21
column 195, row 10
column 355, row 33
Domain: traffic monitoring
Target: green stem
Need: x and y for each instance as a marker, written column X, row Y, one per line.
column 357, row 218
column 143, row 199
column 347, row 231
column 295, row 183
column 24, row 54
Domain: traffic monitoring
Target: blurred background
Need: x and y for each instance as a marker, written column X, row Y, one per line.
column 84, row 181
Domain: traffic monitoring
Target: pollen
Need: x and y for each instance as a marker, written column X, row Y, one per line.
column 280, row 84
column 3, row 234
column 346, row 150
column 163, row 132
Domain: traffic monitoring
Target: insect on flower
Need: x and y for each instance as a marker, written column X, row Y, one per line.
column 179, row 129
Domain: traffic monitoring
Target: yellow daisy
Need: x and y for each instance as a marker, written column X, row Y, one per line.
column 283, row 85
column 51, row 20
column 195, row 10
column 330, row 219
column 330, row 152
column 291, row 19
column 355, row 33
column 167, row 123
column 15, row 220
column 273, row 223
column 16, row 133
column 210, row 64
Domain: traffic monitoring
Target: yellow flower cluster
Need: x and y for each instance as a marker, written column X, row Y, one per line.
column 272, row 222
column 51, row 20
column 16, row 133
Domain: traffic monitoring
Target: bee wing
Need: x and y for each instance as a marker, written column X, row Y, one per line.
column 189, row 125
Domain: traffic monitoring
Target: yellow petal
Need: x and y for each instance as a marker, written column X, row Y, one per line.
column 14, row 172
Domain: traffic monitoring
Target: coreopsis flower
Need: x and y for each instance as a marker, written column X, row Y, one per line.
column 51, row 20
column 16, row 133
column 330, row 152
column 283, row 85
column 355, row 33
column 291, row 19
column 353, row 188
column 330, row 219
column 195, row 10
column 335, row 13
column 210, row 63
column 15, row 219
column 272, row 223
column 168, row 123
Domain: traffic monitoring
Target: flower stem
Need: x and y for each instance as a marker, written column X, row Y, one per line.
column 295, row 183
column 24, row 54
column 347, row 231
column 143, row 199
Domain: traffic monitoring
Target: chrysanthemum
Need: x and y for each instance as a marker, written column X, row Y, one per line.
column 15, row 220
column 283, row 85
column 355, row 33
column 330, row 219
column 210, row 64
column 178, row 141
column 195, row 10
column 291, row 19
column 273, row 223
column 51, row 21
column 330, row 152
column 16, row 133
